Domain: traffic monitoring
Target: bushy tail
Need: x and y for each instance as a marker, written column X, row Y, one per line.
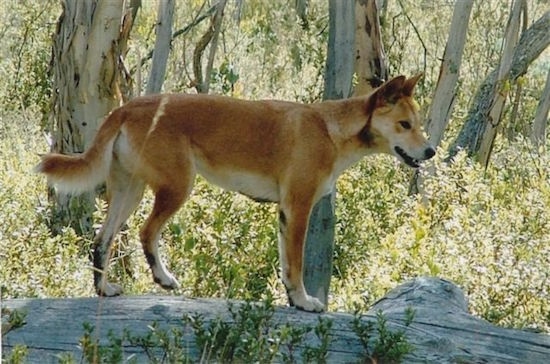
column 83, row 172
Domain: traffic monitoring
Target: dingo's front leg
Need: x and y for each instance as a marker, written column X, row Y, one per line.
column 293, row 222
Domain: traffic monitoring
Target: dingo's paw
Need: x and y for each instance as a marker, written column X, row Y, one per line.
column 167, row 281
column 307, row 303
column 109, row 290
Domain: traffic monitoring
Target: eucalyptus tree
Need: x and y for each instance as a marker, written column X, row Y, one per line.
column 88, row 82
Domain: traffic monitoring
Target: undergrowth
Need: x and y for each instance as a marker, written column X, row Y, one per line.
column 488, row 231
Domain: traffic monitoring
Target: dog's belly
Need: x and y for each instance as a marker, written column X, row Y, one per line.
column 257, row 187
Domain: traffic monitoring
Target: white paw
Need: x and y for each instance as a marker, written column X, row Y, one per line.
column 166, row 281
column 308, row 303
column 110, row 290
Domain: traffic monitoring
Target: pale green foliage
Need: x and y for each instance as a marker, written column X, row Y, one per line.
column 387, row 346
column 262, row 47
column 486, row 231
column 17, row 355
column 33, row 262
column 25, row 31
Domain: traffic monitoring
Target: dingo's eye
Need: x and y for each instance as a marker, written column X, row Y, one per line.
column 405, row 124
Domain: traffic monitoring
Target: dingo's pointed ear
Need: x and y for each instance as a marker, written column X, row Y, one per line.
column 408, row 86
column 389, row 92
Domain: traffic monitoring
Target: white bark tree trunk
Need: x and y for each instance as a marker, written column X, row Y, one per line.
column 445, row 91
column 503, row 84
column 370, row 65
column 338, row 83
column 86, row 56
column 538, row 133
column 163, row 39
column 442, row 104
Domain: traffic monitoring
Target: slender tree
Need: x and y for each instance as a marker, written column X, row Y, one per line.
column 163, row 39
column 338, row 85
column 202, row 81
column 503, row 85
column 538, row 133
column 442, row 104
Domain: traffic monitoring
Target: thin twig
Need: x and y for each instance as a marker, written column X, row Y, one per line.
column 176, row 34
column 417, row 34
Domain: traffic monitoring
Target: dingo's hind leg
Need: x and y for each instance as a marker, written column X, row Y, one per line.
column 168, row 199
column 124, row 192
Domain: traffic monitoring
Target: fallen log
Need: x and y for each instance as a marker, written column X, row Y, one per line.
column 442, row 331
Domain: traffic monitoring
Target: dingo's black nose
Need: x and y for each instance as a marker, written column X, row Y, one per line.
column 430, row 152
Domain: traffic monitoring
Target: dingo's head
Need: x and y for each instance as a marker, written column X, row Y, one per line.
column 395, row 126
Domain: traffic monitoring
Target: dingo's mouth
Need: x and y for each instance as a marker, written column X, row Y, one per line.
column 410, row 161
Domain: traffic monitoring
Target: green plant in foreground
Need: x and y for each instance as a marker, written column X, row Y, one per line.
column 17, row 355
column 93, row 352
column 319, row 354
column 291, row 336
column 248, row 336
column 15, row 319
column 387, row 346
column 160, row 345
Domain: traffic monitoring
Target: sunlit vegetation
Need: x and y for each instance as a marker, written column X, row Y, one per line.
column 486, row 230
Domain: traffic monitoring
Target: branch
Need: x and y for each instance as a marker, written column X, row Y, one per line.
column 531, row 44
column 417, row 34
column 211, row 36
column 176, row 34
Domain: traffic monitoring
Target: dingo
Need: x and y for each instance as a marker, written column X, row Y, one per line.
column 277, row 151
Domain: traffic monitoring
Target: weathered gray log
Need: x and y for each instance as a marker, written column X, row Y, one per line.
column 442, row 330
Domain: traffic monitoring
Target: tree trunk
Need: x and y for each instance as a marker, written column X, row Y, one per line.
column 338, row 83
column 85, row 59
column 531, row 44
column 301, row 7
column 519, row 86
column 202, row 82
column 162, row 46
column 126, row 82
column 500, row 92
column 538, row 134
column 217, row 27
column 370, row 65
column 442, row 104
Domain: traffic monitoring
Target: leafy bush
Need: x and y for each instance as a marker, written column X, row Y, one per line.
column 25, row 31
column 485, row 230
